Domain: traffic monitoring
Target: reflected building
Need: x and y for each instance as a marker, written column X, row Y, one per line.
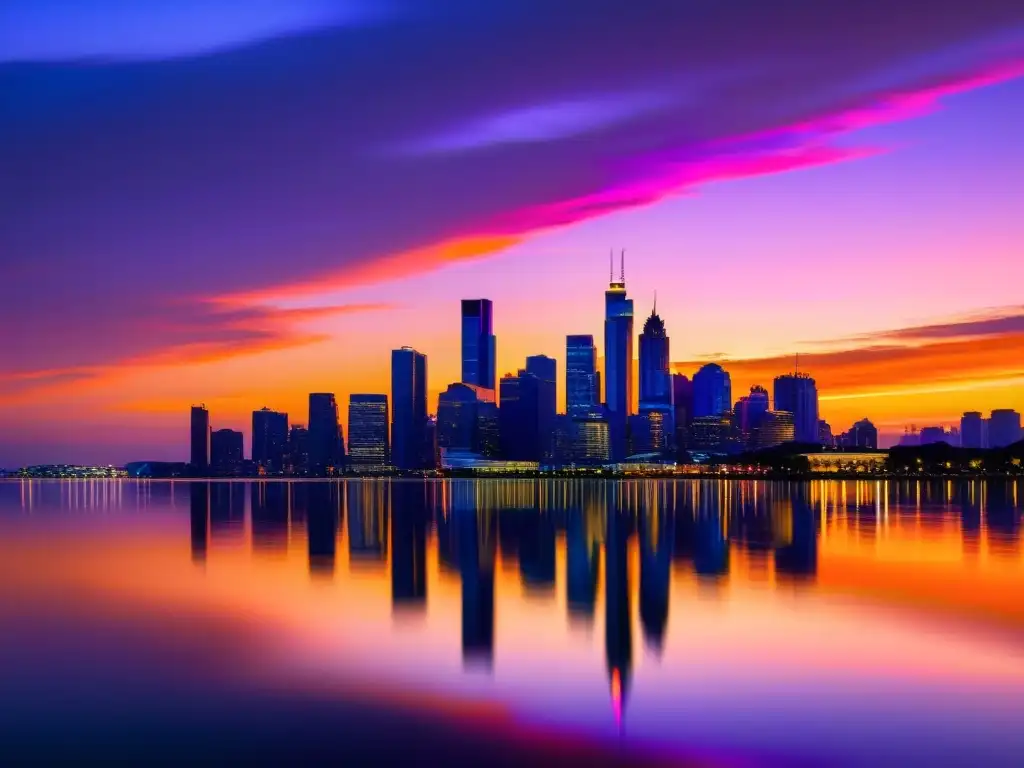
column 582, row 563
column 476, row 565
column 322, row 526
column 199, row 503
column 367, row 522
column 269, row 439
column 796, row 556
column 537, row 551
column 409, row 448
column 618, row 619
column 368, row 444
column 269, row 503
column 656, row 539
column 409, row 518
column 711, row 546
column 326, row 448
column 227, row 510
column 199, row 434
column 1002, row 520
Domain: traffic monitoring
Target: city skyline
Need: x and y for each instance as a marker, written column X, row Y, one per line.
column 862, row 214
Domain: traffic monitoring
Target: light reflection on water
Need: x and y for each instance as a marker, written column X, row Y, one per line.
column 833, row 622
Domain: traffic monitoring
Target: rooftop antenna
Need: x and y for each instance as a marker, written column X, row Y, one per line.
column 797, row 363
column 655, row 310
column 611, row 265
column 622, row 268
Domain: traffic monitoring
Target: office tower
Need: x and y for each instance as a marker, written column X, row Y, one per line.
column 656, row 402
column 479, row 361
column 458, row 412
column 325, row 447
column 409, row 409
column 862, row 434
column 825, row 434
column 1003, row 428
column 682, row 402
column 368, row 444
column 429, row 452
column 712, row 391
column 713, row 434
column 618, row 358
column 546, row 370
column 226, row 451
column 590, row 438
column 298, row 449
column 774, row 428
column 200, row 439
column 487, row 440
column 269, row 438
column 519, row 417
column 748, row 412
column 972, row 430
column 582, row 384
column 798, row 394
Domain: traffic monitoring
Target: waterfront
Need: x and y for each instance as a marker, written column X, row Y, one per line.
column 708, row 621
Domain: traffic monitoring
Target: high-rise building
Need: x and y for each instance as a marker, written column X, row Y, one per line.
column 712, row 391
column 519, row 417
column 863, row 434
column 589, row 437
column 479, row 360
column 973, row 429
column 656, row 401
column 825, row 434
column 546, row 370
column 226, row 451
column 714, row 434
column 200, row 439
column 298, row 449
column 1003, row 428
column 409, row 409
column 458, row 412
column 326, row 450
column 748, row 413
column 582, row 383
column 488, row 430
column 682, row 402
column 798, row 394
column 368, row 444
column 774, row 428
column 618, row 358
column 269, row 439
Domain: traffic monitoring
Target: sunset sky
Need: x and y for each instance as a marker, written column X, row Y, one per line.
column 241, row 203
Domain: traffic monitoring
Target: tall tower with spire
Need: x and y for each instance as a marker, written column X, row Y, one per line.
column 618, row 356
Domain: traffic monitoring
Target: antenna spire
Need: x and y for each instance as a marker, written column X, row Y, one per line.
column 622, row 268
column 655, row 310
column 611, row 265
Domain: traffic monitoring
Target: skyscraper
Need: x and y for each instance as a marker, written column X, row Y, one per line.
column 368, row 444
column 973, row 430
column 200, row 439
column 682, row 402
column 408, row 409
column 226, row 450
column 712, row 391
column 863, row 434
column 798, row 394
column 546, row 370
column 748, row 412
column 519, row 417
column 618, row 357
column 582, row 385
column 774, row 428
column 1003, row 428
column 269, row 438
column 478, row 344
column 458, row 409
column 656, row 408
column 325, row 447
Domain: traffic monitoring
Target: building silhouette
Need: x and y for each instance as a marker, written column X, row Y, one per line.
column 479, row 360
column 298, row 448
column 618, row 359
column 226, row 446
column 200, row 440
column 409, row 409
column 326, row 450
column 973, row 430
column 463, row 424
column 582, row 565
column 798, row 394
column 269, row 439
column 582, row 381
column 368, row 444
column 519, row 417
column 322, row 526
column 1003, row 428
column 748, row 413
column 712, row 391
column 199, row 514
column 682, row 407
column 656, row 539
column 863, row 434
column 657, row 413
column 546, row 370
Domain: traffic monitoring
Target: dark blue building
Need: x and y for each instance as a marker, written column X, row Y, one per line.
column 712, row 391
column 618, row 359
column 582, row 381
column 519, row 417
column 479, row 365
column 325, row 447
column 409, row 409
column 269, row 439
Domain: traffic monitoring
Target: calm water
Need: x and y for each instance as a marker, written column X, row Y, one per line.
column 692, row 622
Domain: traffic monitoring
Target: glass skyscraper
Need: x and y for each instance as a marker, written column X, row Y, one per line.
column 712, row 391
column 409, row 409
column 519, row 417
column 798, row 394
column 325, row 446
column 479, row 362
column 655, row 389
column 200, row 439
column 368, row 444
column 618, row 359
column 546, row 370
column 582, row 384
column 269, row 438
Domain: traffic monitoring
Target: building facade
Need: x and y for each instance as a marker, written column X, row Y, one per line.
column 369, row 448
column 269, row 439
column 1003, row 428
column 618, row 359
column 326, row 450
column 748, row 413
column 582, row 382
column 973, row 430
column 712, row 391
column 226, row 447
column 199, row 434
column 546, row 370
column 409, row 448
column 798, row 394
column 519, row 417
column 479, row 347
